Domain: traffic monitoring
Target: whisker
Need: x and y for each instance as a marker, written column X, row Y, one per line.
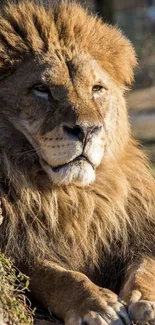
column 28, row 151
column 28, row 157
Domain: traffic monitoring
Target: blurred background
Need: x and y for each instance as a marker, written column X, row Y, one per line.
column 136, row 18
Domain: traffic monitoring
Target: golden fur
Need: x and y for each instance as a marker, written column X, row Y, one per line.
column 124, row 208
column 79, row 228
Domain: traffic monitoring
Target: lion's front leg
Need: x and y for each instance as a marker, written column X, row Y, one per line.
column 139, row 292
column 75, row 299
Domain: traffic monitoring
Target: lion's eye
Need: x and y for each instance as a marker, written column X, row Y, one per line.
column 41, row 91
column 98, row 88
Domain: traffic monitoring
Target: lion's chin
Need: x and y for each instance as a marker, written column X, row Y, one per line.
column 82, row 173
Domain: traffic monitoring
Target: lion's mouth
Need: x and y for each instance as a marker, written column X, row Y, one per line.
column 77, row 159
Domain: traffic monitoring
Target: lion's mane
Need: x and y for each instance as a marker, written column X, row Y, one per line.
column 70, row 224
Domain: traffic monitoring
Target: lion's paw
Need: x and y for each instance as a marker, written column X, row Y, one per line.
column 142, row 312
column 115, row 314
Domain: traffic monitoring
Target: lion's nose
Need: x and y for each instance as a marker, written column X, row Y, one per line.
column 81, row 132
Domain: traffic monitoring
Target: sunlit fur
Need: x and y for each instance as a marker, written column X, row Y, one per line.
column 71, row 224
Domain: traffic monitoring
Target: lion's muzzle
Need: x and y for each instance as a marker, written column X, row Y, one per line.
column 83, row 133
column 72, row 153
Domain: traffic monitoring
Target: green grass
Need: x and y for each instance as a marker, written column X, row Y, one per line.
column 14, row 309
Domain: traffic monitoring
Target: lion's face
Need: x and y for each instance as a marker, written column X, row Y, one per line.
column 66, row 97
column 68, row 111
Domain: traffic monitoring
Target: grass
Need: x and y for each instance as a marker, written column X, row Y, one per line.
column 14, row 309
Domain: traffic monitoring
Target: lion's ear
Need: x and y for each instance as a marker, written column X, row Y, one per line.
column 123, row 59
column 118, row 55
column 112, row 49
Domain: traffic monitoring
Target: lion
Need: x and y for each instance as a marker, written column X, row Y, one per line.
column 77, row 193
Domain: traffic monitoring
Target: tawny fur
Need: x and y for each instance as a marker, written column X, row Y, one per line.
column 79, row 228
column 28, row 29
column 118, row 207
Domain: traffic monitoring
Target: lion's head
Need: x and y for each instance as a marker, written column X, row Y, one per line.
column 64, row 126
column 63, row 75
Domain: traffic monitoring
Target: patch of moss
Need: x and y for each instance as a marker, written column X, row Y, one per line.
column 13, row 305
